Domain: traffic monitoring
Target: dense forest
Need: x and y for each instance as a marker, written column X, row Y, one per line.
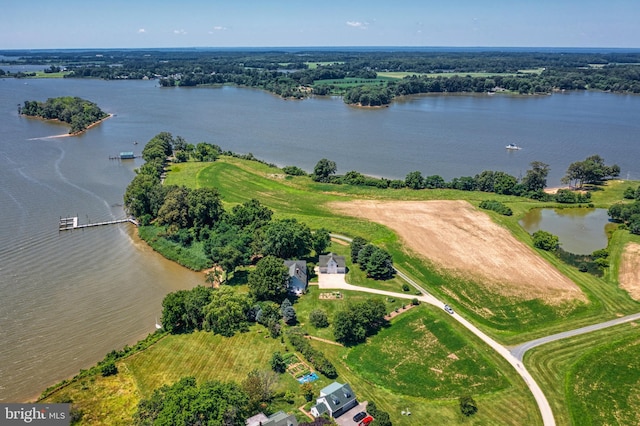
column 77, row 112
column 365, row 77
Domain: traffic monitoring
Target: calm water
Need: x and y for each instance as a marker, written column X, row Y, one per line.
column 581, row 231
column 68, row 298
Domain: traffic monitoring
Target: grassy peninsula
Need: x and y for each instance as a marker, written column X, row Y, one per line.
column 75, row 111
column 422, row 362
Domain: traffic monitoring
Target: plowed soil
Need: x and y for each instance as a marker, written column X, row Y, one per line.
column 463, row 241
column 629, row 274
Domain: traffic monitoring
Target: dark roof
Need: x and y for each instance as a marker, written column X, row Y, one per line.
column 323, row 260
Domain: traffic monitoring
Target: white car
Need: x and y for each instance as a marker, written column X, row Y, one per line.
column 448, row 309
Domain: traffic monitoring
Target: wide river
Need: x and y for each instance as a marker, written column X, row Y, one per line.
column 66, row 299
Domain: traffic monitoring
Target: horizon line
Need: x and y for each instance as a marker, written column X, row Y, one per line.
column 329, row 47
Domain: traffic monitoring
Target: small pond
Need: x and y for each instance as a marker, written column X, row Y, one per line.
column 581, row 231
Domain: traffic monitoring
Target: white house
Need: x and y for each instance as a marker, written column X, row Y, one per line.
column 332, row 264
column 336, row 399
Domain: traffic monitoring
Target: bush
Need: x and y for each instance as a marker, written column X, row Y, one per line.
column 496, row 206
column 468, row 406
column 405, row 287
column 294, row 171
column 108, row 369
column 318, row 318
column 545, row 240
column 415, row 301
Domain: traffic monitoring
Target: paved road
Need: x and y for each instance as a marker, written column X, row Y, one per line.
column 519, row 351
column 513, row 356
column 543, row 404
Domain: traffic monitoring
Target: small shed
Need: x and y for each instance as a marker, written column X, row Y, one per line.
column 127, row 155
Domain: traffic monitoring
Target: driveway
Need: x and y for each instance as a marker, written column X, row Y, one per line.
column 347, row 418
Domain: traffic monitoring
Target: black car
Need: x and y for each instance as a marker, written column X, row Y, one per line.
column 361, row 415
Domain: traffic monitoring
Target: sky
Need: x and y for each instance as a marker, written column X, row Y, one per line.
column 67, row 24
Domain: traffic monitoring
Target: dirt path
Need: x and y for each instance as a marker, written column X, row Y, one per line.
column 629, row 274
column 465, row 242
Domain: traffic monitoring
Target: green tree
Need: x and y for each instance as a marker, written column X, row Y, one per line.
column 287, row 239
column 269, row 279
column 184, row 403
column 414, row 180
column 321, row 240
column 174, row 211
column 277, row 363
column 174, row 311
column 323, row 169
column 259, row 387
column 250, row 215
column 307, row 391
column 288, row 312
column 545, row 240
column 536, row 177
column 139, row 197
column 379, row 264
column 227, row 312
column 356, row 245
column 318, row 318
column 204, row 207
column 468, row 406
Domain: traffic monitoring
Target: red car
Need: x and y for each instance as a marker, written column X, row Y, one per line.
column 366, row 421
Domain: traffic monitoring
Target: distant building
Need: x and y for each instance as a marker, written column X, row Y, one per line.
column 332, row 264
column 277, row 419
column 298, row 279
column 336, row 399
column 127, row 156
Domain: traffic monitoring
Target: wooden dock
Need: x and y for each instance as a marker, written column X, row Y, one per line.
column 71, row 223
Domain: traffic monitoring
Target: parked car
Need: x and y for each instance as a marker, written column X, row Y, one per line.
column 366, row 421
column 361, row 415
column 448, row 309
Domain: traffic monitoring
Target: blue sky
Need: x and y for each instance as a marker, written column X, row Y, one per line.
column 43, row 24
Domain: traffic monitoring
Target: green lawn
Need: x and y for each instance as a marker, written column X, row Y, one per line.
column 412, row 364
column 508, row 320
column 592, row 378
column 402, row 74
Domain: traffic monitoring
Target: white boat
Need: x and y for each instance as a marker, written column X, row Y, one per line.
column 513, row 146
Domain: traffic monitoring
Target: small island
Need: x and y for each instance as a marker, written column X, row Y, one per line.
column 78, row 112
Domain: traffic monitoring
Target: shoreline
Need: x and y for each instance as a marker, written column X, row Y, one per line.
column 66, row 135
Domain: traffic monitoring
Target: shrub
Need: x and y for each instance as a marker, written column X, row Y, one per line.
column 108, row 369
column 405, row 287
column 496, row 206
column 415, row 301
column 545, row 240
column 294, row 171
column 318, row 318
column 468, row 406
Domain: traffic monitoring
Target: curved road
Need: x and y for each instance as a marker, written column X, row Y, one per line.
column 543, row 404
column 519, row 351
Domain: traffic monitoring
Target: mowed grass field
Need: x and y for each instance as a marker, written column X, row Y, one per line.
column 410, row 365
column 593, row 378
column 402, row 74
column 509, row 320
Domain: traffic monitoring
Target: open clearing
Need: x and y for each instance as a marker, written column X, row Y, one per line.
column 466, row 243
column 629, row 274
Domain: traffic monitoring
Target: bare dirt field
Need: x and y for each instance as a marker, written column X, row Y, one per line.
column 629, row 274
column 465, row 242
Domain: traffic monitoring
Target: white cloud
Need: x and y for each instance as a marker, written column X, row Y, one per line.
column 219, row 28
column 142, row 31
column 358, row 24
column 180, row 32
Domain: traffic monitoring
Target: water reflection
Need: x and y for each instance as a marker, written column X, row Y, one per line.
column 581, row 231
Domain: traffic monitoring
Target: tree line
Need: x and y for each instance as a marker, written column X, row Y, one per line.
column 592, row 171
column 77, row 112
column 291, row 74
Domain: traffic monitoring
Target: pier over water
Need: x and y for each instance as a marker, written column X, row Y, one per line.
column 71, row 223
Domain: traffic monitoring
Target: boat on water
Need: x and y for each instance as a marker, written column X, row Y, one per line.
column 513, row 146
